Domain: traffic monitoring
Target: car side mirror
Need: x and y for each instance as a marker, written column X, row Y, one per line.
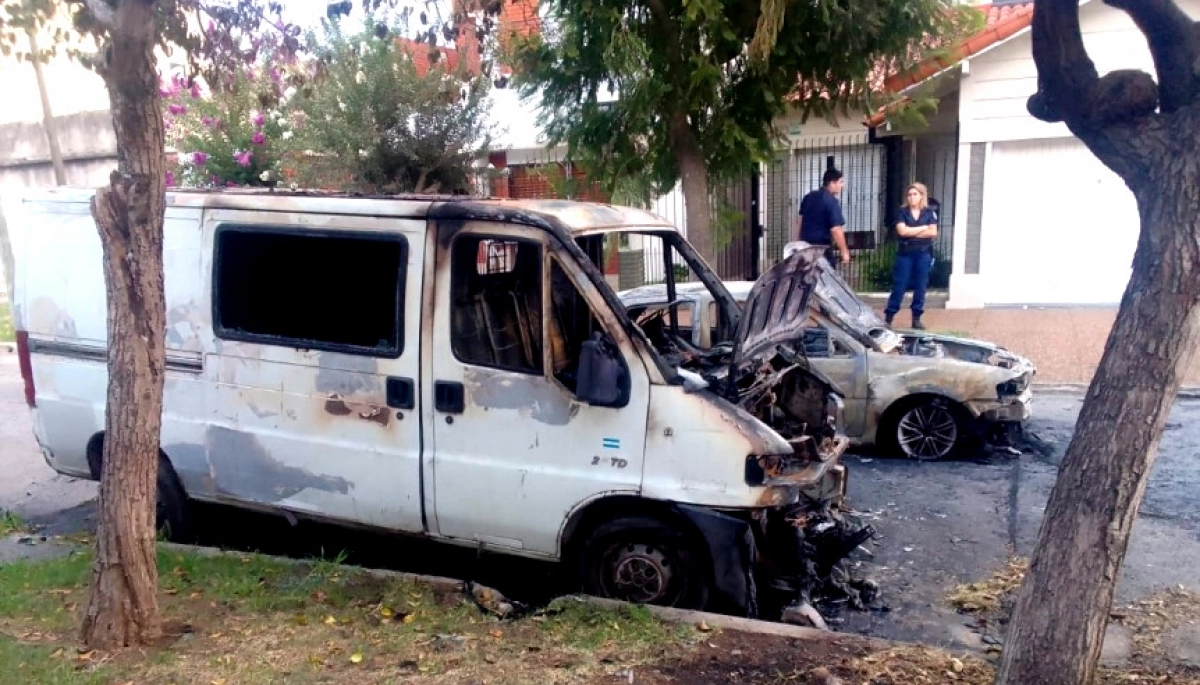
column 603, row 379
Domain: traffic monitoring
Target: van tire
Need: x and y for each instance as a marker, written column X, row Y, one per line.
column 173, row 518
column 644, row 561
column 173, row 510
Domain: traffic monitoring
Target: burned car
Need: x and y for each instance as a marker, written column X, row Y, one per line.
column 922, row 395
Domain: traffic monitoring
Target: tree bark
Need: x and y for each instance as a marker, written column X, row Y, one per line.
column 48, row 124
column 123, row 608
column 1062, row 610
column 697, row 200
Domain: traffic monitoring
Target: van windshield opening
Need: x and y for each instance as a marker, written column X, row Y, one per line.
column 663, row 262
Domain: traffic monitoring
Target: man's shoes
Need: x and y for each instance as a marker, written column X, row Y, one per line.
column 888, row 319
column 917, row 325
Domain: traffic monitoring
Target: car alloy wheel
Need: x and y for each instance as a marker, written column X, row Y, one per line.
column 927, row 431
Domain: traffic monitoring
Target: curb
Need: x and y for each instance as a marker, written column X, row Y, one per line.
column 1185, row 393
column 668, row 614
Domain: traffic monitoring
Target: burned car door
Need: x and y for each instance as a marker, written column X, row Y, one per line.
column 843, row 361
column 538, row 405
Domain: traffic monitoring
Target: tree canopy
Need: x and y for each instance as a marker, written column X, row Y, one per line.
column 635, row 87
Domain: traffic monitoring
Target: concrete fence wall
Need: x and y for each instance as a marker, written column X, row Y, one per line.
column 89, row 148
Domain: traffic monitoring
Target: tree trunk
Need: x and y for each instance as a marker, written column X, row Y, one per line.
column 51, row 128
column 123, row 608
column 696, row 198
column 1062, row 610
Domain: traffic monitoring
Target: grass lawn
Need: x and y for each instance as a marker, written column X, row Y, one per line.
column 242, row 619
column 7, row 334
column 10, row 523
column 252, row 619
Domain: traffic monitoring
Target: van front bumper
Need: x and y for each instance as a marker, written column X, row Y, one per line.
column 784, row 550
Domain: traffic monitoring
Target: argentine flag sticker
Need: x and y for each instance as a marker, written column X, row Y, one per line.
column 612, row 444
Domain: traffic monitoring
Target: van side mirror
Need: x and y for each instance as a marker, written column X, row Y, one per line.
column 603, row 379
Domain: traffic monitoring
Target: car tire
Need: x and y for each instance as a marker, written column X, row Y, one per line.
column 925, row 429
column 644, row 561
column 172, row 510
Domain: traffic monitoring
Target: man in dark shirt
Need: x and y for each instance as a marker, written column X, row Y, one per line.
column 821, row 220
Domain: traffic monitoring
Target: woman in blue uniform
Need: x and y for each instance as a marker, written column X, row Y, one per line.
column 916, row 227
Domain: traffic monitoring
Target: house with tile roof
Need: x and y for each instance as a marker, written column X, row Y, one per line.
column 1028, row 215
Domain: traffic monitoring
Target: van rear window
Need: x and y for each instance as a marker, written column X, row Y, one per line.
column 341, row 292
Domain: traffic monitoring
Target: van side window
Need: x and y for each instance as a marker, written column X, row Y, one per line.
column 496, row 294
column 571, row 323
column 341, row 292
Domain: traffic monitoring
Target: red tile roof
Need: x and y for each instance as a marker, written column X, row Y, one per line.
column 517, row 18
column 1003, row 22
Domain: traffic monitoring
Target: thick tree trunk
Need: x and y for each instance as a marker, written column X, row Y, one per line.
column 696, row 194
column 51, row 128
column 1062, row 610
column 123, row 609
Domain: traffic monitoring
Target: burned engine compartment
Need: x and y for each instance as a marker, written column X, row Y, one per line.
column 802, row 548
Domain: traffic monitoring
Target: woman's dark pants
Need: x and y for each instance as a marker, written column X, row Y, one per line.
column 911, row 269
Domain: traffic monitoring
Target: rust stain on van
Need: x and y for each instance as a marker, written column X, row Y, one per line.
column 340, row 406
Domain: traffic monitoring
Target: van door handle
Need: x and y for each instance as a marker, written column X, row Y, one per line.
column 448, row 397
column 400, row 393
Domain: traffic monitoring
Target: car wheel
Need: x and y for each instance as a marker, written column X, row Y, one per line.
column 172, row 508
column 644, row 561
column 927, row 430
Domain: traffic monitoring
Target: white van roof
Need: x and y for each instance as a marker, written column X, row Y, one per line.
column 573, row 217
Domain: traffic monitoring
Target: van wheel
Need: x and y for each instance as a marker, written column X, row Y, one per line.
column 172, row 510
column 926, row 429
column 644, row 561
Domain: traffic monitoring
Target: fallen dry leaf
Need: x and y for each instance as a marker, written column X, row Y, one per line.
column 356, row 658
column 330, row 621
column 703, row 627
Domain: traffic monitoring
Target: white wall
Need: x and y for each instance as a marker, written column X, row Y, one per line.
column 1000, row 81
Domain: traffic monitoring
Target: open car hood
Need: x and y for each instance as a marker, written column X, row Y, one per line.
column 776, row 311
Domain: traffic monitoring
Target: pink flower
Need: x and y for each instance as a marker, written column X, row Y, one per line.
column 259, row 138
column 275, row 75
column 208, row 121
column 195, row 91
column 199, row 158
column 243, row 158
column 177, row 110
column 258, row 119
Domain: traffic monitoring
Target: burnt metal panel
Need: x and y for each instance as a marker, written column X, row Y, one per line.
column 776, row 310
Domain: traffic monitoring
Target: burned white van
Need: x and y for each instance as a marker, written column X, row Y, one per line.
column 457, row 369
